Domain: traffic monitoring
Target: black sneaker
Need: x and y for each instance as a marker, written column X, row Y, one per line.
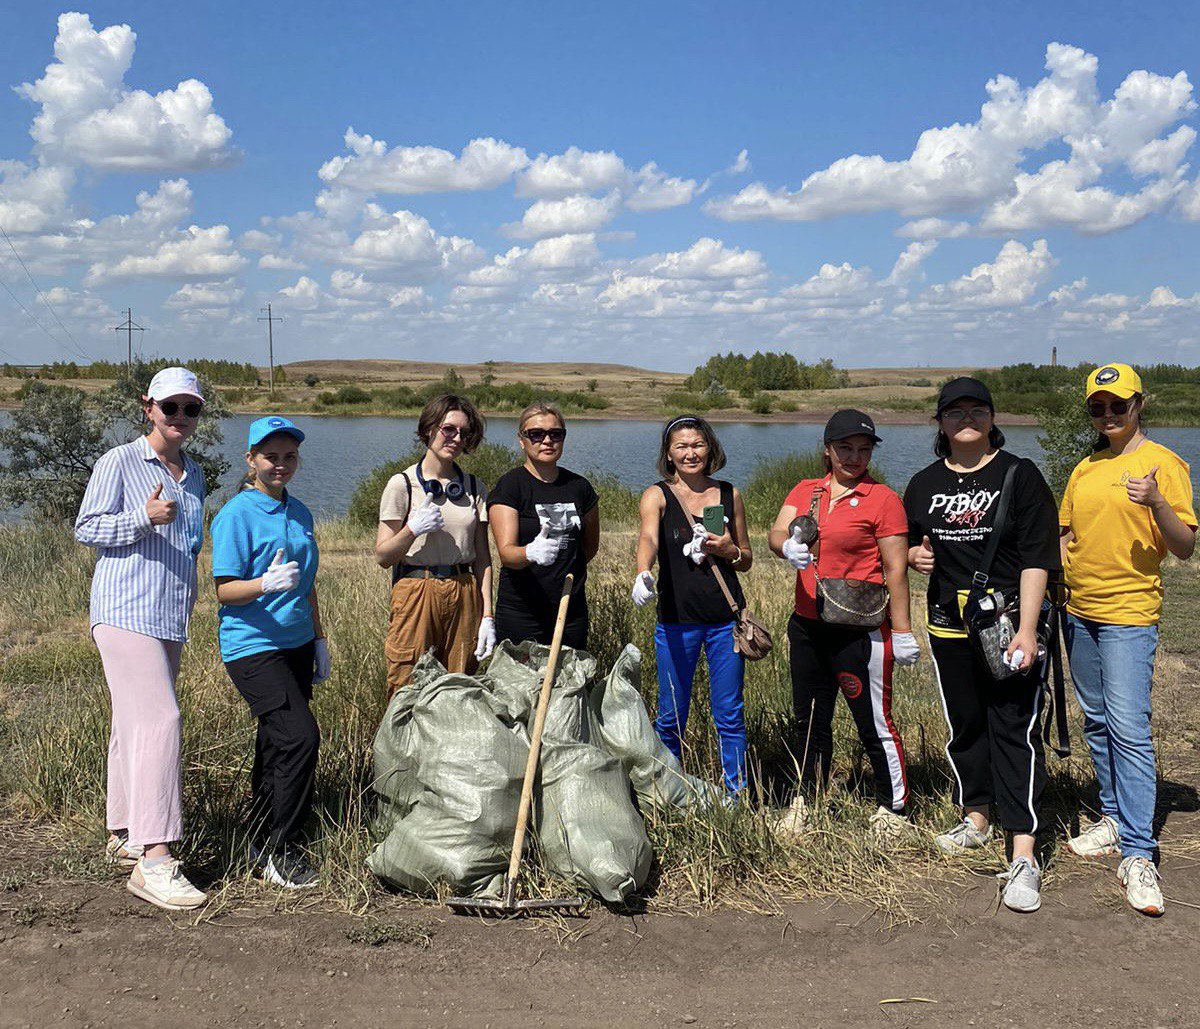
column 287, row 868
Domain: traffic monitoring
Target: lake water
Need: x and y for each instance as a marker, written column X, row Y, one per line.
column 338, row 452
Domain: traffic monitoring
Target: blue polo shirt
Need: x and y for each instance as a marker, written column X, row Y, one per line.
column 246, row 533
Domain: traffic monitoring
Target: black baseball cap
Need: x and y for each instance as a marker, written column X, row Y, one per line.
column 964, row 388
column 847, row 423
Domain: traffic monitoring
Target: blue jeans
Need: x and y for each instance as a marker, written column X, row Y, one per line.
column 678, row 650
column 1112, row 667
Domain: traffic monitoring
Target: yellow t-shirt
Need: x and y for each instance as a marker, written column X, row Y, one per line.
column 1113, row 562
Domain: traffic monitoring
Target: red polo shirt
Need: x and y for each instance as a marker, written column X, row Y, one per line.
column 848, row 546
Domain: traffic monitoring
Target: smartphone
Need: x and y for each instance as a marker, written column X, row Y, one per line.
column 714, row 519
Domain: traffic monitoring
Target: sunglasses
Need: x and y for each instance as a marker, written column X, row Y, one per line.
column 171, row 408
column 958, row 414
column 452, row 432
column 539, row 435
column 1098, row 408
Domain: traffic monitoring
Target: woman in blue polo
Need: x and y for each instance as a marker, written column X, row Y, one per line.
column 265, row 565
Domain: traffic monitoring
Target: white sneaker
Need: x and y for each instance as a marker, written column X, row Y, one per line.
column 963, row 836
column 794, row 820
column 1097, row 840
column 887, row 825
column 289, row 870
column 1023, row 886
column 119, row 851
column 164, row 885
column 1140, row 879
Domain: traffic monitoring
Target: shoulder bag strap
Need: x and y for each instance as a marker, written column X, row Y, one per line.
column 737, row 611
column 980, row 578
column 814, row 510
column 733, row 606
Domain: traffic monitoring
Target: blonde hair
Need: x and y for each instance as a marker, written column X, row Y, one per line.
column 541, row 407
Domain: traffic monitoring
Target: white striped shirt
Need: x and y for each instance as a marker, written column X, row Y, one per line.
column 145, row 578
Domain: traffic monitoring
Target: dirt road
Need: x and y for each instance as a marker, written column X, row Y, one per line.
column 92, row 956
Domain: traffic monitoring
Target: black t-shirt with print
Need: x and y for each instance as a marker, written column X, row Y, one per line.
column 958, row 511
column 534, row 591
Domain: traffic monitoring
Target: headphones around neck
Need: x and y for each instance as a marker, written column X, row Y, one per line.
column 452, row 490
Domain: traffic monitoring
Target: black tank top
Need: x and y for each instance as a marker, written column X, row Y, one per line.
column 687, row 592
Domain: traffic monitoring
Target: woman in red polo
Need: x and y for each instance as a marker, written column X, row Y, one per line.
column 863, row 535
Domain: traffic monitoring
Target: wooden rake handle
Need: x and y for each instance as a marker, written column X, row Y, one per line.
column 535, row 738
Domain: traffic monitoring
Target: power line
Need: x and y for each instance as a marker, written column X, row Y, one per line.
column 77, row 349
column 32, row 316
column 270, row 319
column 130, row 327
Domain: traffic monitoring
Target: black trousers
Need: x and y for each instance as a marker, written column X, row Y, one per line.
column 519, row 626
column 277, row 684
column 826, row 660
column 995, row 747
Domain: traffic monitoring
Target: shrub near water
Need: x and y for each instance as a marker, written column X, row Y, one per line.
column 487, row 463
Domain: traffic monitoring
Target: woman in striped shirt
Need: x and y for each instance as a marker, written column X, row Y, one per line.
column 143, row 512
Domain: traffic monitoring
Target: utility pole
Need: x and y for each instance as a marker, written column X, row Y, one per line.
column 270, row 319
column 129, row 328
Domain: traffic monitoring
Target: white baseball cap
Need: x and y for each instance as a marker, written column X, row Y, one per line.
column 174, row 382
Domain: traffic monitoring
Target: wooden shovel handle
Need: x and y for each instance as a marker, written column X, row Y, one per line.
column 535, row 737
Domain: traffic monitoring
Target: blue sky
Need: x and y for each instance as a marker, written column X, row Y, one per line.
column 1066, row 215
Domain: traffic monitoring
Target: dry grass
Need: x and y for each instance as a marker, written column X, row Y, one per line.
column 54, row 710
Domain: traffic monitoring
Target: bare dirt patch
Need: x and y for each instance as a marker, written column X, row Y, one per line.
column 88, row 954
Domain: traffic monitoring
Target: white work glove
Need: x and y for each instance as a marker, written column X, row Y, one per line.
column 281, row 577
column 543, row 549
column 485, row 642
column 692, row 547
column 426, row 519
column 904, row 648
column 643, row 589
column 322, row 665
column 796, row 553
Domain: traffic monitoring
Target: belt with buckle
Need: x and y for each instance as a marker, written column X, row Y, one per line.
column 432, row 571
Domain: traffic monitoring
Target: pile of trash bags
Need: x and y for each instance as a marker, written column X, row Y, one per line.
column 450, row 756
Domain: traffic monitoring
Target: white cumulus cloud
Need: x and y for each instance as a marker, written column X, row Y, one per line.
column 980, row 165
column 575, row 171
column 373, row 167
column 196, row 254
column 579, row 213
column 90, row 116
column 1008, row 281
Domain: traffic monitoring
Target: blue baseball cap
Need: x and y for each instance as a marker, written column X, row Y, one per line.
column 261, row 428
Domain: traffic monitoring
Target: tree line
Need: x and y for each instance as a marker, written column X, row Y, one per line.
column 764, row 370
column 223, row 373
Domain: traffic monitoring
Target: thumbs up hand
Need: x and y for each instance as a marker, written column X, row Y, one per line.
column 160, row 512
column 281, row 576
column 796, row 553
column 427, row 518
column 1144, row 490
column 921, row 558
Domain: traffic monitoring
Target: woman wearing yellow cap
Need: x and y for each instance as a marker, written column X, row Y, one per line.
column 1125, row 508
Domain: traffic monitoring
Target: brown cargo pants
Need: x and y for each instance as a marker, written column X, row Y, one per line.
column 442, row 614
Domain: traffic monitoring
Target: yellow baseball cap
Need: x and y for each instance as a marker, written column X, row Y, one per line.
column 1118, row 379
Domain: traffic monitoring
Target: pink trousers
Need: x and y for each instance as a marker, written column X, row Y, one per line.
column 145, row 795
